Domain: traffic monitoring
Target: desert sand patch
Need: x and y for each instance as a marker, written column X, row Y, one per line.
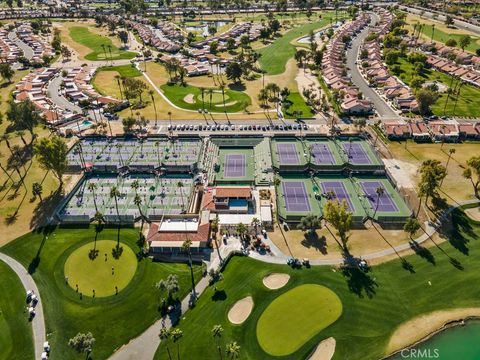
column 276, row 280
column 324, row 350
column 241, row 310
column 189, row 99
column 423, row 326
column 473, row 213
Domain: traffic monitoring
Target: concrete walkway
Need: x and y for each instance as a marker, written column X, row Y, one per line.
column 38, row 322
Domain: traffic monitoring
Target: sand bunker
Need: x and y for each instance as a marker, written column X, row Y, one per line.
column 423, row 326
column 324, row 350
column 189, row 99
column 241, row 310
column 276, row 280
column 473, row 213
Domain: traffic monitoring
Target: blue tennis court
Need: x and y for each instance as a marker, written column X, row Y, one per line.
column 356, row 154
column 296, row 198
column 288, row 154
column 235, row 165
column 385, row 201
column 339, row 191
column 322, row 155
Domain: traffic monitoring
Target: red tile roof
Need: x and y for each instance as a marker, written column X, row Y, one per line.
column 200, row 235
column 233, row 192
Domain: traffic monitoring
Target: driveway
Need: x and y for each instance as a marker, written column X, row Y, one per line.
column 58, row 99
column 385, row 112
column 27, row 50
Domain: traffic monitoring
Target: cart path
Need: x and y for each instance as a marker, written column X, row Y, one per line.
column 38, row 322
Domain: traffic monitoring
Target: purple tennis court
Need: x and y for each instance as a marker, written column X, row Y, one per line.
column 296, row 198
column 322, row 155
column 235, row 165
column 385, row 201
column 339, row 190
column 288, row 154
column 356, row 154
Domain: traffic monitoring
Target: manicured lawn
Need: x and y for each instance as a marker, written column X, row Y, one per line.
column 16, row 340
column 99, row 45
column 374, row 304
column 123, row 70
column 467, row 104
column 285, row 325
column 113, row 320
column 235, row 101
column 102, row 273
column 298, row 104
column 275, row 56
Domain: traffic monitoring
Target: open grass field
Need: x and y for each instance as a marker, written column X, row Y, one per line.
column 113, row 320
column 374, row 303
column 298, row 104
column 16, row 340
column 102, row 47
column 455, row 187
column 189, row 97
column 19, row 212
column 275, row 56
column 122, row 70
column 467, row 104
column 285, row 325
column 102, row 274
column 442, row 33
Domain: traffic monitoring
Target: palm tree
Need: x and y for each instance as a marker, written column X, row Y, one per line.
column 105, row 52
column 186, row 248
column 210, row 93
column 202, row 91
column 451, row 151
column 176, row 336
column 5, row 170
column 433, row 31
column 170, row 118
column 117, row 77
column 180, row 187
column 380, row 191
column 241, row 229
column 92, row 187
column 151, row 93
column 164, row 335
column 233, row 350
column 256, row 223
column 217, row 334
column 222, row 88
column 135, row 185
column 114, row 193
column 138, row 201
column 110, row 52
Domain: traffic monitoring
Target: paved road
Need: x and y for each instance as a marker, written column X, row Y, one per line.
column 27, row 50
column 385, row 112
column 38, row 323
column 437, row 16
column 59, row 100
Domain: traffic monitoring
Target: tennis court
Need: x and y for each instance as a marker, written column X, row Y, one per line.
column 322, row 155
column 356, row 154
column 384, row 202
column 296, row 197
column 288, row 154
column 337, row 189
column 235, row 165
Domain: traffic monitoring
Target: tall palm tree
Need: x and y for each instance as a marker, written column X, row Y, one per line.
column 180, row 187
column 210, row 93
column 186, row 248
column 164, row 335
column 233, row 350
column 176, row 335
column 117, row 77
column 241, row 229
column 105, row 52
column 5, row 170
column 217, row 334
column 433, row 31
column 110, row 52
column 202, row 91
column 114, row 193
column 138, row 202
column 222, row 88
column 151, row 93
column 451, row 151
column 92, row 187
column 170, row 118
column 135, row 185
column 380, row 191
column 256, row 223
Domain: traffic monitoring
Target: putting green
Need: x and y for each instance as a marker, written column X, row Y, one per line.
column 217, row 97
column 295, row 317
column 97, row 274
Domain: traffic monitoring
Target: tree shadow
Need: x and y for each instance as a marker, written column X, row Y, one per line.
column 20, row 156
column 44, row 210
column 237, row 86
column 45, row 231
column 312, row 240
column 359, row 281
column 423, row 252
column 460, row 226
column 219, row 295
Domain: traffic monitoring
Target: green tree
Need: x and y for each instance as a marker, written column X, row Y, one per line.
column 24, row 116
column 170, row 285
column 309, row 223
column 241, row 229
column 451, row 42
column 464, row 41
column 82, row 343
column 234, row 71
column 6, row 71
column 52, row 155
column 186, row 248
column 425, row 99
column 432, row 173
column 411, row 226
column 217, row 335
column 472, row 173
column 176, row 335
column 37, row 190
column 164, row 336
column 214, row 47
column 123, row 35
column 233, row 350
column 337, row 214
column 128, row 124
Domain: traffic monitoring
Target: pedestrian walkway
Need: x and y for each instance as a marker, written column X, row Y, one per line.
column 38, row 322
